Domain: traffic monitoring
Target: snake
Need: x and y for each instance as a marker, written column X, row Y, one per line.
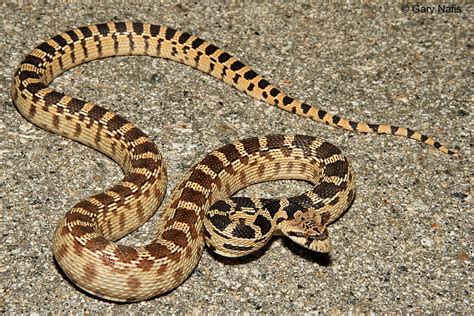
column 201, row 210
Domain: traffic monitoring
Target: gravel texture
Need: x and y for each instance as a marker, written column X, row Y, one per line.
column 405, row 245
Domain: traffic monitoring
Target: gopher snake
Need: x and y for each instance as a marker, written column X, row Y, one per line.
column 83, row 242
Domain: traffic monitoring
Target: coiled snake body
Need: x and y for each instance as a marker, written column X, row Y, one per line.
column 196, row 213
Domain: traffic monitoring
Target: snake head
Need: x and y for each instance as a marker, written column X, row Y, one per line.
column 308, row 229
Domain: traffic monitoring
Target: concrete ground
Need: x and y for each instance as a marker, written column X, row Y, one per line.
column 405, row 245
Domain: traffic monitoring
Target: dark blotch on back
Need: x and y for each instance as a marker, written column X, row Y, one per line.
column 97, row 112
column 221, row 205
column 146, row 163
column 393, row 130
column 35, row 87
column 374, row 127
column 53, row 97
column 326, row 189
column 60, row 40
column 272, row 206
column 135, row 178
column 85, row 31
column 103, row 29
column 274, row 92
column 353, row 125
column 230, row 152
column 116, row 122
column 183, row 215
column 121, row 27
column 137, row 27
column 154, row 29
column 46, row 48
column 322, row 114
column 236, row 65
column 176, row 236
column 287, row 100
column 337, row 168
column 104, row 198
column 327, row 150
column 75, row 105
column 210, row 49
column 251, row 145
column 134, row 134
column 214, row 163
column 194, row 196
column 196, row 43
column 275, row 141
column 302, row 200
column 249, row 75
column 184, row 37
column 264, row 224
column 169, row 33
column 72, row 35
column 157, row 250
column 147, row 147
column 302, row 141
column 126, row 253
column 220, row 221
column 33, row 60
column 262, row 84
column 122, row 191
column 76, row 216
column 201, row 178
column 243, row 201
column 224, row 57
column 305, row 107
column 98, row 243
column 79, row 230
column 243, row 231
column 88, row 206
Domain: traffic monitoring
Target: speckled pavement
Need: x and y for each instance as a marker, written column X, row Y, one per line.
column 405, row 245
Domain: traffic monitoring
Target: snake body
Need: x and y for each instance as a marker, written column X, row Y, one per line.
column 197, row 212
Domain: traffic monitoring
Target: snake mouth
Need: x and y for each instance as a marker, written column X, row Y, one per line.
column 316, row 236
column 319, row 242
column 319, row 235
